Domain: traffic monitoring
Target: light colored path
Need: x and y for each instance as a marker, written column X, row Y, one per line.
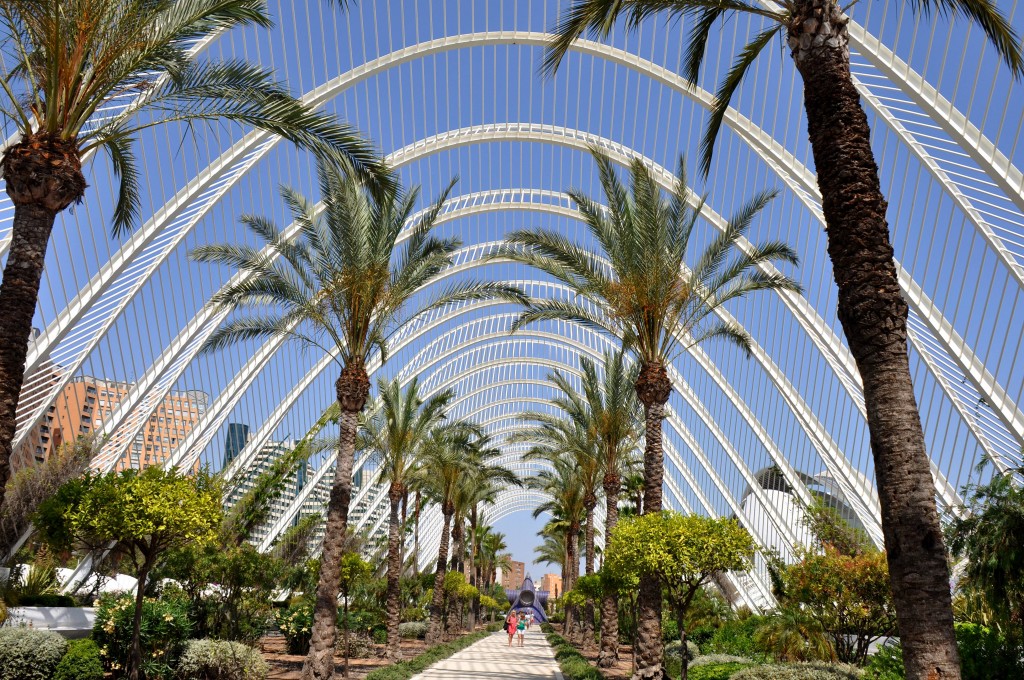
column 493, row 659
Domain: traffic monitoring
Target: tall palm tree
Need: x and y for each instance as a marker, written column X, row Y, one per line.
column 556, row 436
column 563, row 484
column 64, row 62
column 482, row 489
column 492, row 548
column 446, row 458
column 393, row 436
column 612, row 413
column 870, row 307
column 652, row 300
column 342, row 287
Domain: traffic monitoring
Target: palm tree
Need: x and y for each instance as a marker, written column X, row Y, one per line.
column 870, row 307
column 71, row 60
column 563, row 484
column 492, row 547
column 611, row 412
column 653, row 301
column 573, row 437
column 394, row 436
column 482, row 489
column 446, row 458
column 342, row 288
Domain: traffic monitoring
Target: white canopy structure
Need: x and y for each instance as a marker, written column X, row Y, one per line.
column 451, row 88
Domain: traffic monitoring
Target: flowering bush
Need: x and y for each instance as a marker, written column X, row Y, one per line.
column 296, row 624
column 165, row 628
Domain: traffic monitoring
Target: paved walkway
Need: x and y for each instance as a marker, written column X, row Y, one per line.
column 493, row 659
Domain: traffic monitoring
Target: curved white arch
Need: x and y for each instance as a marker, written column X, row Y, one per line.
column 776, row 156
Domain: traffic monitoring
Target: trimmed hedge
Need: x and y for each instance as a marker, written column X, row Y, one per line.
column 403, row 670
column 408, row 630
column 573, row 664
column 717, row 659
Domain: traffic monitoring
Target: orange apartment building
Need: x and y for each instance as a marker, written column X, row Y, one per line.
column 84, row 404
column 514, row 576
column 552, row 583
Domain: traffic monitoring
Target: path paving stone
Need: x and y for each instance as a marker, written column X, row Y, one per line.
column 493, row 659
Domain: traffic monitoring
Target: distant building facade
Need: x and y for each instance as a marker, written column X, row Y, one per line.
column 246, row 479
column 552, row 583
column 82, row 406
column 512, row 577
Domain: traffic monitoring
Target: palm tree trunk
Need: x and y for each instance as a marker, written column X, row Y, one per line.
column 472, row 568
column 437, row 600
column 874, row 318
column 353, row 386
column 458, row 548
column 416, row 537
column 652, row 389
column 394, row 610
column 588, row 609
column 572, row 565
column 43, row 177
column 609, row 654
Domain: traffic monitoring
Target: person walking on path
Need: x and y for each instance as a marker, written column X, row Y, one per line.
column 521, row 627
column 511, row 625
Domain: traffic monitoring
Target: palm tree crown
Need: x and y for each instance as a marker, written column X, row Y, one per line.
column 652, row 300
column 341, row 287
column 73, row 62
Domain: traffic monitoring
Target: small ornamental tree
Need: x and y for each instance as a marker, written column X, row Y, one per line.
column 354, row 569
column 682, row 551
column 144, row 513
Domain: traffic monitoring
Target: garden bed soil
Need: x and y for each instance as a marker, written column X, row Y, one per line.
column 284, row 666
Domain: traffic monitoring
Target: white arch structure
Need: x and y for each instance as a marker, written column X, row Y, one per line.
column 970, row 171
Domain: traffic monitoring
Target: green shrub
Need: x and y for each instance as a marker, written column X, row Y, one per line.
column 46, row 600
column 81, row 662
column 221, row 660
column 814, row 670
column 360, row 646
column 379, row 634
column 29, row 654
column 716, row 671
column 494, row 627
column 165, row 628
column 412, row 614
column 412, row 629
column 886, row 664
column 574, row 665
column 712, row 659
column 672, row 649
column 737, row 638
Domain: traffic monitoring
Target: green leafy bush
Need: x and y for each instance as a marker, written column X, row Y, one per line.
column 412, row 614
column 221, row 660
column 672, row 649
column 985, row 654
column 360, row 646
column 165, row 628
column 403, row 670
column 81, row 662
column 738, row 638
column 800, row 671
column 716, row 671
column 46, row 600
column 29, row 654
column 412, row 629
